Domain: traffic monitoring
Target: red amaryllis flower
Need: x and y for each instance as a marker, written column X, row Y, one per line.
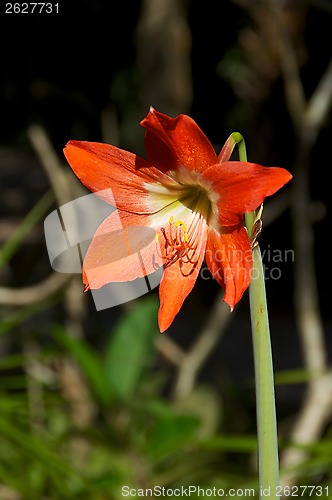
column 193, row 199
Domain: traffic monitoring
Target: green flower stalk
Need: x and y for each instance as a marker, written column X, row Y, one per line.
column 268, row 460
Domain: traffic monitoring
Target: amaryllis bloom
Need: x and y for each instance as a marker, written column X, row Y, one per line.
column 193, row 199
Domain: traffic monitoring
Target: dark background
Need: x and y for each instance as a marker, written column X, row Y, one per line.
column 66, row 71
column 62, row 70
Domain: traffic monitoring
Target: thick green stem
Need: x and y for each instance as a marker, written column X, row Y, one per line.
column 266, row 414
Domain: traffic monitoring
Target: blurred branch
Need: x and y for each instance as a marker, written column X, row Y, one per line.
column 309, row 426
column 294, row 91
column 319, row 104
column 201, row 349
column 170, row 350
column 76, row 392
column 51, row 164
column 82, row 407
column 308, row 123
column 62, row 190
column 308, row 119
column 31, row 294
column 75, row 306
column 35, row 389
column 163, row 55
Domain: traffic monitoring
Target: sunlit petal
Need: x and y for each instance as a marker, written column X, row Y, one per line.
column 174, row 142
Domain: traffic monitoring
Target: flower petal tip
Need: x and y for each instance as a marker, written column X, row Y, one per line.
column 289, row 176
column 69, row 143
column 164, row 324
column 231, row 307
column 152, row 112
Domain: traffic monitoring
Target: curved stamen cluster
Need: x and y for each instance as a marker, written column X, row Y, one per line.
column 183, row 242
column 176, row 241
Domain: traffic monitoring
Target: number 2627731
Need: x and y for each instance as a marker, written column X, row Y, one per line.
column 31, row 8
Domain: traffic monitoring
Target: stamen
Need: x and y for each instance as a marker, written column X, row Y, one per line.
column 180, row 244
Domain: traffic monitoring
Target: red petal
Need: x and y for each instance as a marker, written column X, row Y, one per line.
column 123, row 248
column 242, row 187
column 229, row 258
column 116, row 176
column 177, row 282
column 174, row 142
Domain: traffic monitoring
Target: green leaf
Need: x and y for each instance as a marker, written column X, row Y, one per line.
column 90, row 364
column 9, row 248
column 236, row 444
column 171, row 434
column 130, row 346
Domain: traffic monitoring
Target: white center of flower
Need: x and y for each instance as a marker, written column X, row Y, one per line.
column 185, row 191
column 181, row 208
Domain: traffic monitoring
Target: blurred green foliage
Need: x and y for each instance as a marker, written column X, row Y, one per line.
column 82, row 415
column 131, row 436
